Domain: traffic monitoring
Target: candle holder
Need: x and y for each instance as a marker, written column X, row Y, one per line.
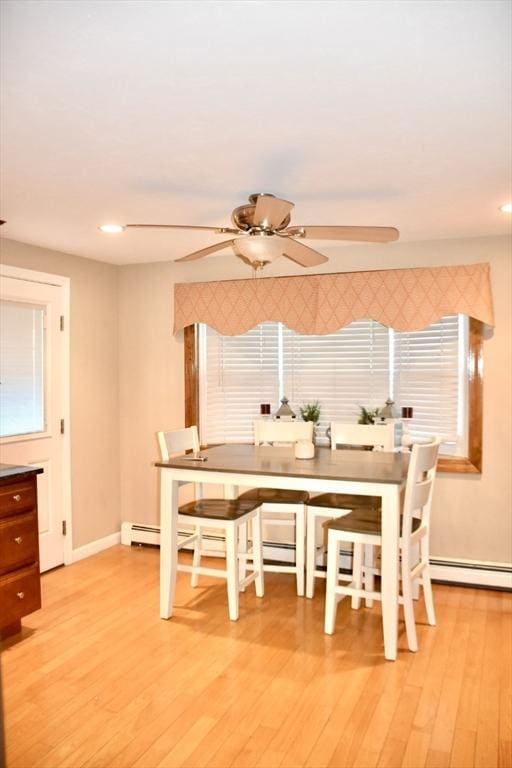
column 406, row 440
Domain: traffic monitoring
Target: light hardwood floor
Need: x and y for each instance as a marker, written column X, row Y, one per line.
column 98, row 680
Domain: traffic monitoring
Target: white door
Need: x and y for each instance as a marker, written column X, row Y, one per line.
column 34, row 396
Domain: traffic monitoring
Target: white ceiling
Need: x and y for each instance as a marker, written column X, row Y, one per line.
column 361, row 112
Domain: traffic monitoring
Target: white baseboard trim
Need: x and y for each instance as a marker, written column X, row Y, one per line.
column 93, row 547
column 449, row 570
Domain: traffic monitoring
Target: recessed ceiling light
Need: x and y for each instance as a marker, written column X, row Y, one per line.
column 111, row 229
column 507, row 208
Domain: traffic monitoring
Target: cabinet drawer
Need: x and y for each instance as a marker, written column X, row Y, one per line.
column 18, row 541
column 17, row 497
column 20, row 593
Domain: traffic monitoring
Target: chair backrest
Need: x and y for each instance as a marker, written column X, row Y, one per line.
column 420, row 485
column 282, row 431
column 377, row 435
column 178, row 441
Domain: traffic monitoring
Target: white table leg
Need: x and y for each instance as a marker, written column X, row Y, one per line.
column 300, row 543
column 168, row 541
column 389, row 569
column 232, row 572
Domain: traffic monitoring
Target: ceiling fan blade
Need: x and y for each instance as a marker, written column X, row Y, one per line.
column 206, row 251
column 271, row 211
column 302, row 254
column 362, row 234
column 218, row 230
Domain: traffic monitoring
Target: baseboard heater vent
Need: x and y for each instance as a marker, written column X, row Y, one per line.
column 472, row 573
column 444, row 570
column 139, row 533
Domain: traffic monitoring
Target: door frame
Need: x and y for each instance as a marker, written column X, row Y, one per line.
column 46, row 278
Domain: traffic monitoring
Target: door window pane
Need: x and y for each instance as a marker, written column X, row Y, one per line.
column 21, row 368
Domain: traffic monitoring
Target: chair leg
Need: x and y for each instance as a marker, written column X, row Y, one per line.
column 257, row 554
column 369, row 578
column 310, row 553
column 242, row 548
column 415, row 558
column 331, row 601
column 196, row 559
column 425, row 582
column 407, row 593
column 232, row 572
column 300, row 521
column 427, row 594
column 357, row 572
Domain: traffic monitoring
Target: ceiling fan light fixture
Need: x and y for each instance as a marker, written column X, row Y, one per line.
column 261, row 233
column 258, row 249
column 111, row 229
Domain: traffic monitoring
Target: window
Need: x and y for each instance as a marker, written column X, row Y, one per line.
column 437, row 371
column 237, row 373
column 22, row 369
column 430, row 375
column 342, row 370
column 361, row 364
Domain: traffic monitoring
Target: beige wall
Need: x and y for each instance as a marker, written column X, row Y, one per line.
column 472, row 514
column 94, row 384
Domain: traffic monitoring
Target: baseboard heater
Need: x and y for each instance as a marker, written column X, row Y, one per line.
column 139, row 533
column 468, row 573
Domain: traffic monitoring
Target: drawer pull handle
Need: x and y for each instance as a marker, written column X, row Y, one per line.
column 18, row 539
column 17, row 497
column 21, row 595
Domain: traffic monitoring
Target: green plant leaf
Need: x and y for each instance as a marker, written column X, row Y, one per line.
column 310, row 411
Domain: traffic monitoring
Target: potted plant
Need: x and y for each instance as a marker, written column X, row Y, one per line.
column 367, row 416
column 310, row 412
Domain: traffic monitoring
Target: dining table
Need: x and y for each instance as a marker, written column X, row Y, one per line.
column 366, row 473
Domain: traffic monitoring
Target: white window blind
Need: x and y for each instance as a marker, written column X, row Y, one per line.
column 430, row 376
column 21, row 368
column 237, row 373
column 360, row 365
column 342, row 370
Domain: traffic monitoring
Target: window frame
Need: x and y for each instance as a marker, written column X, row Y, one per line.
column 470, row 464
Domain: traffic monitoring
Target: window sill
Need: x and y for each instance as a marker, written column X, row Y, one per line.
column 458, row 464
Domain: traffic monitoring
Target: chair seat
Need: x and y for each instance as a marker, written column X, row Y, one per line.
column 218, row 509
column 365, row 521
column 275, row 496
column 345, row 501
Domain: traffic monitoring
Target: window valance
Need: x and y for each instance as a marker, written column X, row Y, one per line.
column 403, row 299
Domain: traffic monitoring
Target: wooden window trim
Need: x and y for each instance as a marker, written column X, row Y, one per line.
column 191, row 376
column 472, row 464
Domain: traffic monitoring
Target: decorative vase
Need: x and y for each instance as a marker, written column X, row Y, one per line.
column 304, row 449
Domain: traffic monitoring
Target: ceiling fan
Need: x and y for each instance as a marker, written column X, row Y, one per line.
column 261, row 233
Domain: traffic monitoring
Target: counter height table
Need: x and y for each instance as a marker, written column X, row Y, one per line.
column 368, row 473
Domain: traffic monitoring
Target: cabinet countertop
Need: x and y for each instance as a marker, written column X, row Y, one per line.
column 13, row 473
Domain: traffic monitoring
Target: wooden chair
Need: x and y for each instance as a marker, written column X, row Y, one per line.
column 334, row 505
column 362, row 527
column 227, row 515
column 283, row 508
